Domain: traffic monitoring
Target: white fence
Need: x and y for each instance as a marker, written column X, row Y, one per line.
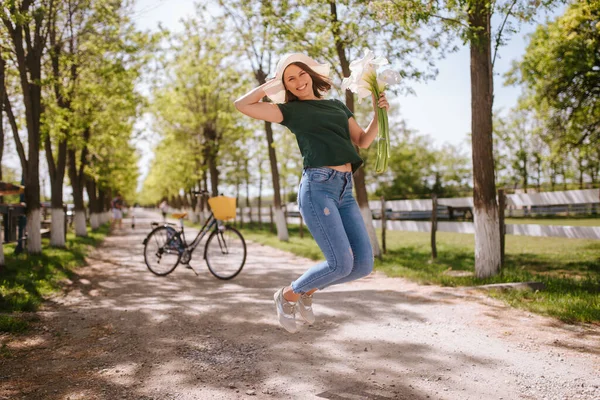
column 414, row 215
column 571, row 232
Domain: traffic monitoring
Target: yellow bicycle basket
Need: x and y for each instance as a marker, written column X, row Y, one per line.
column 222, row 207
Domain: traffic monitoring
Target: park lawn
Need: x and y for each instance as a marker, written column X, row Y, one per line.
column 570, row 268
column 25, row 280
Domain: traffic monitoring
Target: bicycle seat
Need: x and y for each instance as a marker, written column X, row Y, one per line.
column 179, row 215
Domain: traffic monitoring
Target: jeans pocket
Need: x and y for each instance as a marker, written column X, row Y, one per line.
column 320, row 175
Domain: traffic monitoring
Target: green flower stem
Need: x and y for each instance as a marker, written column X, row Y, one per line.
column 383, row 137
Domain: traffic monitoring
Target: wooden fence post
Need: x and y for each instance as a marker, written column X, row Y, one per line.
column 383, row 223
column 433, row 225
column 271, row 217
column 501, row 207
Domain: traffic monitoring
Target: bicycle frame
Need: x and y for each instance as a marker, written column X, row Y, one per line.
column 206, row 228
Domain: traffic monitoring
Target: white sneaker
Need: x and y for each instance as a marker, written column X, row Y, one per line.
column 304, row 306
column 286, row 312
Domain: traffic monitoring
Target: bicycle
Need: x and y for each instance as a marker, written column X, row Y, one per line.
column 224, row 250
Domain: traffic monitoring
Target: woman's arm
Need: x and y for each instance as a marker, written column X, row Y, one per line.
column 364, row 138
column 251, row 105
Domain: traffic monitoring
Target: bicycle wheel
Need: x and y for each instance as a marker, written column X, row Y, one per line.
column 162, row 250
column 225, row 252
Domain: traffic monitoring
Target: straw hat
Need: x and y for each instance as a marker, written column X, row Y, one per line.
column 275, row 89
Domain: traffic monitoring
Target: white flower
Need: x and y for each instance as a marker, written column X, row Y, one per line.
column 389, row 77
column 363, row 81
column 361, row 71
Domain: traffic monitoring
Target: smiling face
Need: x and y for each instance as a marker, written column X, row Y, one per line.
column 299, row 82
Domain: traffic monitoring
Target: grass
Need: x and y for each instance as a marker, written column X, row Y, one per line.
column 570, row 268
column 26, row 279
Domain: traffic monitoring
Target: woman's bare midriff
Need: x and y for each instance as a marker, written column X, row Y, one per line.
column 342, row 168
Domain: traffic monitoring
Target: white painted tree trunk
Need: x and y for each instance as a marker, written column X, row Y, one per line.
column 282, row 231
column 368, row 218
column 487, row 242
column 80, row 226
column 57, row 229
column 94, row 220
column 34, row 236
column 2, row 246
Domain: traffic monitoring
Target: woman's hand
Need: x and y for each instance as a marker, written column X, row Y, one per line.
column 382, row 102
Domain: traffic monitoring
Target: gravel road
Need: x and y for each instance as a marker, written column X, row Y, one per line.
column 119, row 332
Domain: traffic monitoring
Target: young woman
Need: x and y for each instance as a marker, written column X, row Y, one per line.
column 326, row 133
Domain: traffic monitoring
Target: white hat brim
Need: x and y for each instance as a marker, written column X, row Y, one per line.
column 275, row 89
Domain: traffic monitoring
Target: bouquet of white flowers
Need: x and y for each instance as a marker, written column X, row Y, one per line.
column 364, row 81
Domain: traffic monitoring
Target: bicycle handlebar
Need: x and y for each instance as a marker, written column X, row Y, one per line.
column 203, row 193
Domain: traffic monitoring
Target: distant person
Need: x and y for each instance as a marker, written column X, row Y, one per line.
column 117, row 212
column 326, row 132
column 164, row 208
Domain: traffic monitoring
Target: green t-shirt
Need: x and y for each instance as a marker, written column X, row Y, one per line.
column 322, row 131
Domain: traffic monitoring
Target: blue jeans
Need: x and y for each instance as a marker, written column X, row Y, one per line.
column 331, row 214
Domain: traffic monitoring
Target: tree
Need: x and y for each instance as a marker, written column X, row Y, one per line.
column 517, row 137
column 109, row 54
column 471, row 21
column 27, row 24
column 62, row 72
column 193, row 111
column 338, row 31
column 257, row 42
column 2, row 94
column 560, row 74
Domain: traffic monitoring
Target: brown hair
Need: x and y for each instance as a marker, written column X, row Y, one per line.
column 320, row 83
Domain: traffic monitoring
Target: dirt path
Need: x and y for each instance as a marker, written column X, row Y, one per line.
column 122, row 333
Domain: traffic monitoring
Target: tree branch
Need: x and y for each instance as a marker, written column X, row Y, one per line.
column 15, row 129
column 508, row 14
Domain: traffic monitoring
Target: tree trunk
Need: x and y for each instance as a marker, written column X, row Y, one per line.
column 2, row 91
column 525, row 175
column 581, row 172
column 210, row 155
column 102, row 206
column 247, row 179
column 1, row 248
column 90, row 185
column 77, row 178
column 485, row 210
column 28, row 60
column 359, row 176
column 282, row 231
column 260, row 185
column 56, row 170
